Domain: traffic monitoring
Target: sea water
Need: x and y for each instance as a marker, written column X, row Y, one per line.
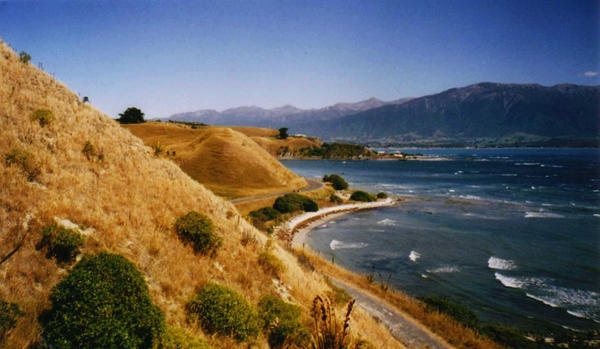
column 514, row 234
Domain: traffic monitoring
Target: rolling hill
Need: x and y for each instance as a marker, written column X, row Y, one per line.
column 78, row 168
column 227, row 162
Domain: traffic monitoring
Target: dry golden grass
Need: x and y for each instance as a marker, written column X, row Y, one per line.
column 131, row 200
column 225, row 161
column 282, row 148
column 441, row 324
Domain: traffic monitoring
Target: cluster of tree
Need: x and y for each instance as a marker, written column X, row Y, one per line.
column 337, row 182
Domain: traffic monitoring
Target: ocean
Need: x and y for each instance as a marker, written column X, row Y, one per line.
column 514, row 234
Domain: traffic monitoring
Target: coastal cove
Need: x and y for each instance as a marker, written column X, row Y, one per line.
column 510, row 233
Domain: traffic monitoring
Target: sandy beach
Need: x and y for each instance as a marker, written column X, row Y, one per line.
column 299, row 227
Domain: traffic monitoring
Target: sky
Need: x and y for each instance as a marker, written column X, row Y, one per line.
column 174, row 56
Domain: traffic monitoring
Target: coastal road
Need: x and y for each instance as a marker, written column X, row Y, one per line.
column 313, row 184
column 406, row 330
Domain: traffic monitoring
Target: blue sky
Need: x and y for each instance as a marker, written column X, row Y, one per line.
column 173, row 56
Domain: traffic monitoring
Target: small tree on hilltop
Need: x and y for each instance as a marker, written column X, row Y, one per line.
column 283, row 133
column 132, row 115
column 24, row 57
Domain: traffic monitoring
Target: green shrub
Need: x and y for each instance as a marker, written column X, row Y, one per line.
column 89, row 150
column 264, row 214
column 25, row 161
column 457, row 311
column 176, row 338
column 508, row 337
column 43, row 116
column 223, row 311
column 197, row 229
column 103, row 303
column 335, row 199
column 337, row 294
column 132, row 115
column 270, row 263
column 283, row 133
column 382, row 195
column 360, row 195
column 24, row 57
column 281, row 322
column 294, row 202
column 63, row 244
column 9, row 314
column 337, row 182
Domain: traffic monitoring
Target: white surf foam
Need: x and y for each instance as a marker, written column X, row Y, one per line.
column 518, row 282
column 532, row 214
column 597, row 215
column 414, row 255
column 509, row 281
column 577, row 314
column 470, row 197
column 527, row 163
column 387, row 221
column 340, row 245
column 543, row 300
column 501, row 264
column 509, row 175
column 444, row 269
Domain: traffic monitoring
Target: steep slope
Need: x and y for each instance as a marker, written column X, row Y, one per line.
column 498, row 112
column 226, row 161
column 127, row 200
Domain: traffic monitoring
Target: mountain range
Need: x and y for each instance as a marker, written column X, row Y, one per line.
column 483, row 114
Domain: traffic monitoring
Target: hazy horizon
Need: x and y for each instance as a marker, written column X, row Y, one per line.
column 168, row 57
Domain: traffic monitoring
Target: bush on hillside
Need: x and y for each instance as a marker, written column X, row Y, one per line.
column 103, row 303
column 281, row 322
column 43, row 116
column 337, row 182
column 176, row 338
column 9, row 314
column 25, row 161
column 508, row 337
column 197, row 229
column 295, row 202
column 62, row 243
column 264, row 214
column 382, row 195
column 89, row 150
column 24, row 57
column 132, row 115
column 283, row 133
column 335, row 199
column 360, row 195
column 270, row 263
column 457, row 311
column 223, row 311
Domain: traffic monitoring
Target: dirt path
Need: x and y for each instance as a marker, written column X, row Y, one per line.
column 406, row 330
column 313, row 184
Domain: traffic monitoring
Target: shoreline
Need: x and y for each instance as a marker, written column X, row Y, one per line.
column 296, row 229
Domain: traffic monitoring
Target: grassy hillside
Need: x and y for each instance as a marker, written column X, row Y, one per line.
column 83, row 167
column 226, row 161
column 282, row 148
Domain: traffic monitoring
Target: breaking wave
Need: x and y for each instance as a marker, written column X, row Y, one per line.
column 341, row 245
column 413, row 256
column 501, row 264
column 444, row 269
column 532, row 214
column 387, row 221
